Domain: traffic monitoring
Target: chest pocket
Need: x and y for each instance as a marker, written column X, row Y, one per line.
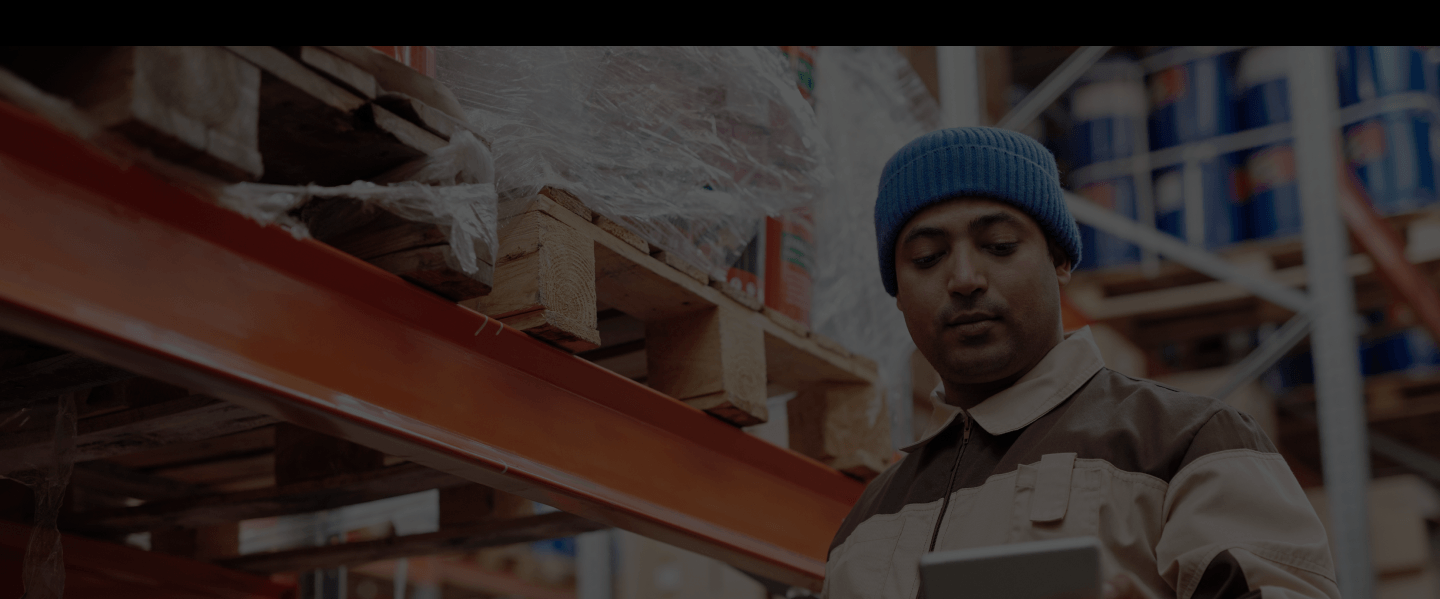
column 1053, row 499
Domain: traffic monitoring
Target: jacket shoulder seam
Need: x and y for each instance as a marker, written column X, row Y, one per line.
column 1227, row 454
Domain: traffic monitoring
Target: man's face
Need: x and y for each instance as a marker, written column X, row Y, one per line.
column 979, row 289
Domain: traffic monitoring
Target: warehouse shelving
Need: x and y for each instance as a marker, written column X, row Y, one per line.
column 1200, row 293
column 118, row 270
column 248, row 343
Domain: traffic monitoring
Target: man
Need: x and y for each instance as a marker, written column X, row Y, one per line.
column 1033, row 437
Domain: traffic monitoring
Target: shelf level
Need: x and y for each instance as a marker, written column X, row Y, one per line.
column 111, row 262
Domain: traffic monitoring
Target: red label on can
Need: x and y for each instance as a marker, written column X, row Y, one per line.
column 1103, row 194
column 1270, row 168
column 1167, row 86
column 1365, row 143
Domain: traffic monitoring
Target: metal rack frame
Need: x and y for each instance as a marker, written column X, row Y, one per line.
column 109, row 261
column 1314, row 127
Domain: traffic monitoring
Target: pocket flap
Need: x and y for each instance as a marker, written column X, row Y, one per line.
column 1052, row 487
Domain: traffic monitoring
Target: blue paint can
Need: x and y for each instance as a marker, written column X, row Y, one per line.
column 1393, row 155
column 1369, row 72
column 1272, row 196
column 1261, row 79
column 1220, row 190
column 1108, row 106
column 1193, row 101
column 1103, row 250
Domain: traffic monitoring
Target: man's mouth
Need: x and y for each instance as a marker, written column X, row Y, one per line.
column 970, row 319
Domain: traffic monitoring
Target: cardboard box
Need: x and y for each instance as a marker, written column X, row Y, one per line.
column 1399, row 537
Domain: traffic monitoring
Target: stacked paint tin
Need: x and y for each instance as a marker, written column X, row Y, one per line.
column 1410, row 350
column 1191, row 102
column 1393, row 151
column 1108, row 106
column 1272, row 197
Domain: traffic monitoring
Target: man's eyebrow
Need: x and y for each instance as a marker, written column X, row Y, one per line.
column 990, row 220
column 924, row 232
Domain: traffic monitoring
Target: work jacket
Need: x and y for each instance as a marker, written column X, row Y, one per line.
column 1184, row 492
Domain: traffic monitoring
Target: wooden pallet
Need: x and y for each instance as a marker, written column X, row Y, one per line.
column 324, row 116
column 187, row 469
column 1180, row 305
column 565, row 274
column 1402, row 405
column 282, row 115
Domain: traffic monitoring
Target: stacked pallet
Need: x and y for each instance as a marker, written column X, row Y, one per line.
column 330, row 116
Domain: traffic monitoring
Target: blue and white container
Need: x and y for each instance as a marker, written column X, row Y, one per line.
column 1221, row 209
column 1407, row 350
column 1108, row 107
column 1369, row 72
column 1263, row 87
column 1193, row 101
column 1393, row 155
column 1272, row 196
column 1102, row 250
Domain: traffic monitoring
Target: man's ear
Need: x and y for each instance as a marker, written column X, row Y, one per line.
column 1063, row 267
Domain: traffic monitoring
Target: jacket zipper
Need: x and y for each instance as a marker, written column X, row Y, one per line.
column 954, row 470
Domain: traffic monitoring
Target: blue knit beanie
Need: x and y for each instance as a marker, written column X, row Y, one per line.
column 983, row 162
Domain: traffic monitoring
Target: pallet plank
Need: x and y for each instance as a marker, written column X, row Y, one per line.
column 187, row 419
column 312, row 130
column 457, row 539
column 341, row 71
column 115, row 479
column 43, row 379
column 294, row 498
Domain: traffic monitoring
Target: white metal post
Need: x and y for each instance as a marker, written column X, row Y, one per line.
column 1342, row 418
column 594, row 578
column 958, row 68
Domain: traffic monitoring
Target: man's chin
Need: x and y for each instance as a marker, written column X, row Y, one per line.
column 979, row 367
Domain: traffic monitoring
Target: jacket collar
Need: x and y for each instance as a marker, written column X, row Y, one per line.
column 1058, row 375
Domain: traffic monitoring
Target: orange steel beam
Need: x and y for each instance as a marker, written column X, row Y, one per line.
column 1385, row 246
column 112, row 262
column 100, row 570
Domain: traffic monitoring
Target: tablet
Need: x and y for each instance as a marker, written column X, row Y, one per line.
column 1053, row 569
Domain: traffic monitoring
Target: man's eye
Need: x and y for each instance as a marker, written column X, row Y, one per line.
column 1002, row 249
column 926, row 261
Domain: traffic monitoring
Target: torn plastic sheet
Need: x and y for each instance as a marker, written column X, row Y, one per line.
column 453, row 188
column 690, row 147
column 44, row 567
column 870, row 103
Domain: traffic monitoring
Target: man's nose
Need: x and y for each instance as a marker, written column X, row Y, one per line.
column 967, row 276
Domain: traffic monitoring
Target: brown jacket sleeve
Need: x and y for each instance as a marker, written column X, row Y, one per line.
column 1237, row 523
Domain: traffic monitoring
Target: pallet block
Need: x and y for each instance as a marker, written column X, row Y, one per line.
column 544, row 281
column 832, row 423
column 713, row 359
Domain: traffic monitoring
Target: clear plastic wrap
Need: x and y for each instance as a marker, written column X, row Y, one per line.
column 688, row 146
column 454, row 188
column 869, row 103
column 43, row 571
